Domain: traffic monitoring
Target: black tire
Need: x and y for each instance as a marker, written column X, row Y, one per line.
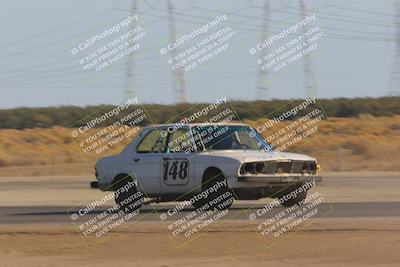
column 299, row 199
column 220, row 199
column 128, row 200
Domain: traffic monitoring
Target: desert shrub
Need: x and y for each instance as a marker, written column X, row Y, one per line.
column 66, row 116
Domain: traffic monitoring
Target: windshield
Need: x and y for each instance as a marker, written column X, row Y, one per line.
column 228, row 137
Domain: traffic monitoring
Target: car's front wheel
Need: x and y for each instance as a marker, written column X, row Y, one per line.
column 215, row 192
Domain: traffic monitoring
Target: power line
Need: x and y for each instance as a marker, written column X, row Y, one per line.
column 68, row 38
column 363, row 11
column 338, row 36
column 54, row 30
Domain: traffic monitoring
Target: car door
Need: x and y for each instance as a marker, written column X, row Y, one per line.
column 177, row 168
column 147, row 160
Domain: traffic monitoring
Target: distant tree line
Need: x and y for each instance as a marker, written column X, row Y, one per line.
column 66, row 116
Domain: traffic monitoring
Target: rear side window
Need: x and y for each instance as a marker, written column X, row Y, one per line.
column 153, row 142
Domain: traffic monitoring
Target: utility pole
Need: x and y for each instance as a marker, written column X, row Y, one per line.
column 310, row 82
column 395, row 85
column 130, row 88
column 179, row 86
column 262, row 82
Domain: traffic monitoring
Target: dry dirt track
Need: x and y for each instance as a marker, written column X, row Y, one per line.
column 363, row 229
column 328, row 242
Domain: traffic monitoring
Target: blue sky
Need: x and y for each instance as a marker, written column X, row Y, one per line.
column 355, row 58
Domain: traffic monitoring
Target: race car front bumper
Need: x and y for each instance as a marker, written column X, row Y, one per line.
column 261, row 180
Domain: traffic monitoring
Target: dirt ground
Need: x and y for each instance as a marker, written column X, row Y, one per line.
column 325, row 242
column 75, row 190
column 335, row 241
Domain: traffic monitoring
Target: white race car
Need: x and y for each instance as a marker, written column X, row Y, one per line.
column 209, row 165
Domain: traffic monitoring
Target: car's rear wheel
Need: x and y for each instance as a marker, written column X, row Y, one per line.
column 126, row 194
column 215, row 192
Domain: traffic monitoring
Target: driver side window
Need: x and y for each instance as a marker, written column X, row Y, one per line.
column 179, row 141
column 153, row 142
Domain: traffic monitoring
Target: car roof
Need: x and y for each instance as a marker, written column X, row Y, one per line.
column 181, row 125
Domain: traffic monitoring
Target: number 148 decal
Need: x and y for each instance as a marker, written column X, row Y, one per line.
column 176, row 171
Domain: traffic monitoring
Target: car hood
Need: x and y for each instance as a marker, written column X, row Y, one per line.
column 253, row 156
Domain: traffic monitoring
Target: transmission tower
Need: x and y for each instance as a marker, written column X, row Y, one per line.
column 262, row 82
column 310, row 82
column 179, row 86
column 395, row 85
column 130, row 88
